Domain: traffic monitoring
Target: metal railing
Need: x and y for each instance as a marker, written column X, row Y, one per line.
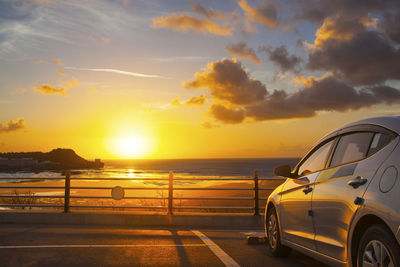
column 170, row 208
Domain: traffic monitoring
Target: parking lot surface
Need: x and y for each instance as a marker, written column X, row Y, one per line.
column 58, row 245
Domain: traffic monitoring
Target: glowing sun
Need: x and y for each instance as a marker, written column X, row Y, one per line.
column 131, row 146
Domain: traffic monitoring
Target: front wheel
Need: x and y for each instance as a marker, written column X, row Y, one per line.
column 378, row 247
column 273, row 235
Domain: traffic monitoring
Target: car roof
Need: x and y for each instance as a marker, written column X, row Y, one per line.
column 391, row 123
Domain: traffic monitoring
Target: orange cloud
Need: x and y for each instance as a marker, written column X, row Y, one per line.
column 196, row 101
column 176, row 102
column 341, row 29
column 61, row 72
column 209, row 125
column 57, row 61
column 185, row 23
column 49, row 89
column 12, row 126
column 267, row 15
column 193, row 101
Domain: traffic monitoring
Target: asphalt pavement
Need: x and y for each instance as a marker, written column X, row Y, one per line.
column 59, row 245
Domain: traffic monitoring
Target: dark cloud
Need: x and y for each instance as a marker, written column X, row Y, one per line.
column 227, row 80
column 227, row 115
column 209, row 13
column 367, row 58
column 317, row 10
column 183, row 22
column 266, row 15
column 229, row 83
column 324, row 94
column 243, row 51
column 12, row 126
column 280, row 56
column 387, row 94
column 391, row 26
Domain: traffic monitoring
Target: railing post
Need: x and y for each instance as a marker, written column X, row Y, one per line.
column 170, row 192
column 67, row 191
column 256, row 208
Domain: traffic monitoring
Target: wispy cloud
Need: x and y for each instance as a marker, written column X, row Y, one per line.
column 129, row 73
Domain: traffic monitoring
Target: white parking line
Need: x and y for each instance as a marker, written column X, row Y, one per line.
column 104, row 246
column 225, row 258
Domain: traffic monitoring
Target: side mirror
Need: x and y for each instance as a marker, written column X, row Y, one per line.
column 283, row 170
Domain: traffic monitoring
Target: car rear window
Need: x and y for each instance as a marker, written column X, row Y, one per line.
column 378, row 142
column 351, row 147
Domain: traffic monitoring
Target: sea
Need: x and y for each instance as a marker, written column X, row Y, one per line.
column 160, row 168
column 138, row 190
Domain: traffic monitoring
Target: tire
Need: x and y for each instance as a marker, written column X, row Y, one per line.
column 376, row 240
column 273, row 235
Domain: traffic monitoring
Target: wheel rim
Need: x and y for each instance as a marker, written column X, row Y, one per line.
column 272, row 231
column 377, row 255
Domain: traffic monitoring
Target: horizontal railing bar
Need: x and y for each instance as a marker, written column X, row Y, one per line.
column 31, row 187
column 32, row 178
column 125, row 188
column 29, row 196
column 119, row 207
column 208, row 188
column 200, row 207
column 177, row 198
column 138, row 178
column 133, row 188
column 105, row 197
column 121, row 179
column 215, row 198
column 222, row 188
column 30, row 205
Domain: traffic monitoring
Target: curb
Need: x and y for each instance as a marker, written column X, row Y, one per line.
column 129, row 219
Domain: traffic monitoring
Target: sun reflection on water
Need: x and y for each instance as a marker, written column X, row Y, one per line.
column 130, row 173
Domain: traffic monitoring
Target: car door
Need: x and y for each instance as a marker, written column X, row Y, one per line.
column 338, row 190
column 295, row 204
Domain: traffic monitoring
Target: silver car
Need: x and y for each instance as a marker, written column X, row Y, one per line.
column 341, row 203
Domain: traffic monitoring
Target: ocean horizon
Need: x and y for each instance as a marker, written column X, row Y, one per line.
column 187, row 168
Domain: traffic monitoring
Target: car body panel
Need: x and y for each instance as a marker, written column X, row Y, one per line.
column 298, row 227
column 333, row 201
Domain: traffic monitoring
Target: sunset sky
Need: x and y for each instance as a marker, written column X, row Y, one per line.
column 193, row 79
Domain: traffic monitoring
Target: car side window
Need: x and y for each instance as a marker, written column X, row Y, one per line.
column 351, row 147
column 316, row 161
column 378, row 142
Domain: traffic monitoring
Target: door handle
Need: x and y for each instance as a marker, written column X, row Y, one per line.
column 307, row 190
column 356, row 182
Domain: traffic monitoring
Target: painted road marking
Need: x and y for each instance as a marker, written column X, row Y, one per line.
column 225, row 258
column 104, row 246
